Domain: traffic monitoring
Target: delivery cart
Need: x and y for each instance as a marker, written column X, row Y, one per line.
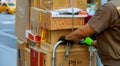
column 91, row 49
column 69, row 45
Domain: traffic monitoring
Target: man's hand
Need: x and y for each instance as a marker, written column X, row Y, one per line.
column 87, row 41
column 62, row 38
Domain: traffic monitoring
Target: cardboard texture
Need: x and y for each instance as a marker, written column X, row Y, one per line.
column 82, row 4
column 22, row 18
column 27, row 57
column 58, row 23
column 61, row 48
column 60, row 4
column 38, row 20
column 75, row 58
column 35, row 20
column 53, row 36
column 78, row 58
column 20, row 53
column 35, row 3
column 32, row 3
column 78, row 55
column 53, row 4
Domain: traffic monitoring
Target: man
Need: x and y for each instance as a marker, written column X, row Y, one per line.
column 106, row 23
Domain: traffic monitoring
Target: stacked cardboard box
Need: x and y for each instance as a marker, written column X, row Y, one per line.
column 62, row 22
column 51, row 28
column 27, row 57
column 60, row 4
column 44, row 30
column 75, row 57
column 20, row 53
column 22, row 23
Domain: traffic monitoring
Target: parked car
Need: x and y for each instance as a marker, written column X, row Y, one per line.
column 8, row 7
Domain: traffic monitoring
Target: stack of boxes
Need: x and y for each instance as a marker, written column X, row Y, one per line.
column 22, row 23
column 38, row 31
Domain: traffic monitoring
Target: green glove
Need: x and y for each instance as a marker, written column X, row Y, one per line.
column 88, row 41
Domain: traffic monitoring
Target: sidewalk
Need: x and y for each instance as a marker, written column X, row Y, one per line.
column 7, row 56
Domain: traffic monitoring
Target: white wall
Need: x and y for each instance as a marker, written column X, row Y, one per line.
column 7, row 56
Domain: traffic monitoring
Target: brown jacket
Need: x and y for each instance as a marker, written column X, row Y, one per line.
column 106, row 23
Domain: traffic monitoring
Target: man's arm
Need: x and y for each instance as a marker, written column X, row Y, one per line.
column 80, row 33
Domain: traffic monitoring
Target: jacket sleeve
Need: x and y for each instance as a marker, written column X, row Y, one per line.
column 98, row 23
column 103, row 18
column 80, row 33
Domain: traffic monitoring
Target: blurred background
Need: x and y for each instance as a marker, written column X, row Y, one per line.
column 7, row 37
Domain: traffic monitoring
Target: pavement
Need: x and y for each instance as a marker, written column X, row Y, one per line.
column 8, row 41
column 7, row 27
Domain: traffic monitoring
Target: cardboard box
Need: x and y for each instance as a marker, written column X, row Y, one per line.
column 51, row 21
column 20, row 53
column 76, row 58
column 54, row 22
column 60, row 4
column 79, row 57
column 61, row 48
column 22, row 18
column 38, row 20
column 82, row 4
column 35, row 3
column 53, row 36
column 53, row 4
column 32, row 3
column 35, row 20
column 27, row 57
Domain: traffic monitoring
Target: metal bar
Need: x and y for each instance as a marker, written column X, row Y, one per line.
column 91, row 55
column 71, row 5
column 66, row 53
column 54, row 53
